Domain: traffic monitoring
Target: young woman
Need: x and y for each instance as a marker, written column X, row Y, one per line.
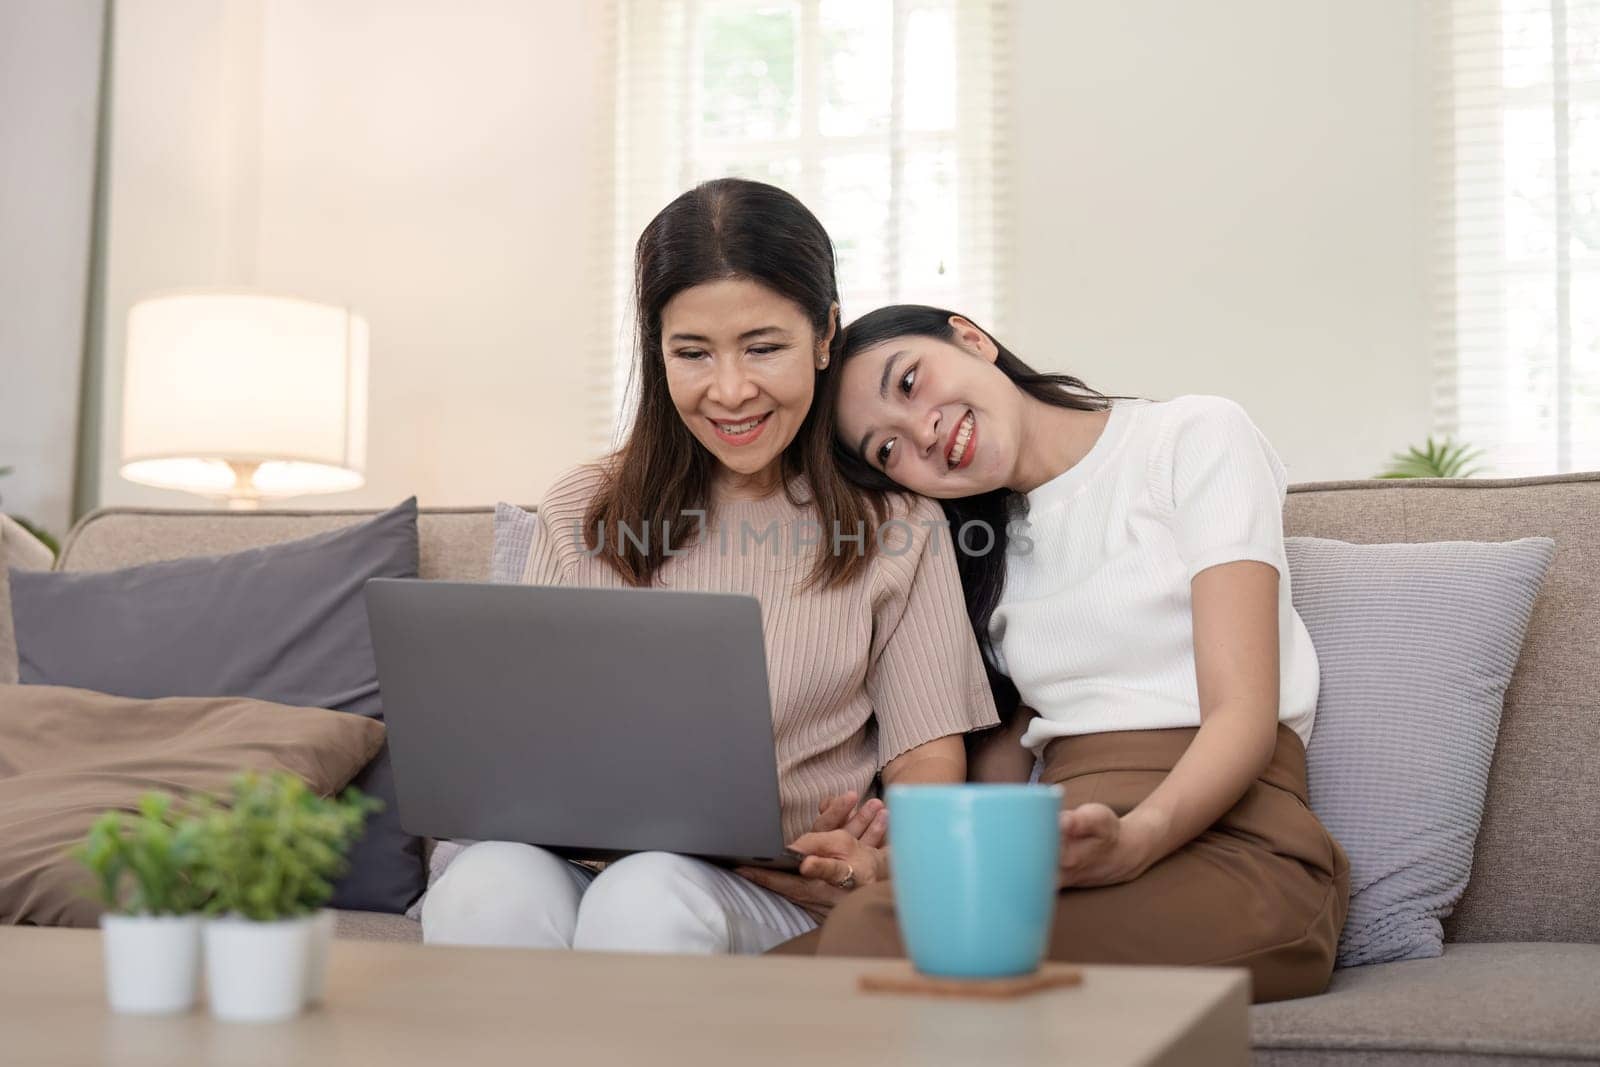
column 727, row 484
column 1124, row 569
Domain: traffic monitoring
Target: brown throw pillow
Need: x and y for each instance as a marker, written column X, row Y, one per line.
column 66, row 755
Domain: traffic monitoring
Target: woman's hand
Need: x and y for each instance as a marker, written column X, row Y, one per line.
column 836, row 862
column 1100, row 848
column 869, row 823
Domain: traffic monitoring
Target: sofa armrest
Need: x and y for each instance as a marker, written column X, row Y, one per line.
column 20, row 549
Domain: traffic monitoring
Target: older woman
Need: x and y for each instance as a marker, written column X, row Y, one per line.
column 727, row 484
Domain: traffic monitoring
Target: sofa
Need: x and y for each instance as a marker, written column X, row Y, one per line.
column 1519, row 979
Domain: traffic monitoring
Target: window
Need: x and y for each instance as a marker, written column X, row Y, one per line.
column 1519, row 318
column 882, row 116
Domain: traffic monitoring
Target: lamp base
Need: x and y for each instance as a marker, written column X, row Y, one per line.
column 243, row 496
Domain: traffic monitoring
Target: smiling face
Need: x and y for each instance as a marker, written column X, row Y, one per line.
column 937, row 416
column 741, row 365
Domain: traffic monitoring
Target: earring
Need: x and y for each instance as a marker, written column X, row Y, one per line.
column 823, row 362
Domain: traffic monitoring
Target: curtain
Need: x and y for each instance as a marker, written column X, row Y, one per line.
column 1518, row 252
column 883, row 116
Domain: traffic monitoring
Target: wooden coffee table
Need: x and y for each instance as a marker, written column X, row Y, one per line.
column 398, row 1005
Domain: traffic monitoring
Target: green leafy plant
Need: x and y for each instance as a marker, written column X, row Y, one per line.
column 1436, row 459
column 44, row 537
column 275, row 852
column 146, row 863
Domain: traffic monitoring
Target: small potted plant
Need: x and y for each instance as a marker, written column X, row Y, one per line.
column 145, row 867
column 328, row 828
column 269, row 864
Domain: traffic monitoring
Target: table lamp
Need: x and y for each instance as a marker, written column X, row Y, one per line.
column 242, row 395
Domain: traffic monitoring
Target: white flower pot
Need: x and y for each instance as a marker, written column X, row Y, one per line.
column 256, row 971
column 152, row 962
column 317, row 959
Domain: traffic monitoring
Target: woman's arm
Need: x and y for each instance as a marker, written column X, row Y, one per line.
column 998, row 756
column 1235, row 613
column 944, row 759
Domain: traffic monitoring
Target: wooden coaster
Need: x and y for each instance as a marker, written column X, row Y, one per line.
column 905, row 979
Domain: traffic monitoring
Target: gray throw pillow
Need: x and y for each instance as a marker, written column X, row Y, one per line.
column 1416, row 643
column 285, row 623
column 513, row 541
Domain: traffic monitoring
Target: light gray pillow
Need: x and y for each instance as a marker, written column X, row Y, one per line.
column 1416, row 643
column 513, row 541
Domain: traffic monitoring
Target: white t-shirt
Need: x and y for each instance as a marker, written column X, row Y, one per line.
column 1094, row 625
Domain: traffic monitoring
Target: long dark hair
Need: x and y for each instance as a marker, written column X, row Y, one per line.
column 728, row 228
column 983, row 573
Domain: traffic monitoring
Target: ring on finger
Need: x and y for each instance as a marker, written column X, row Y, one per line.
column 849, row 880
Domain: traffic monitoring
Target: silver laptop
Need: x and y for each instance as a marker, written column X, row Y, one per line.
column 593, row 722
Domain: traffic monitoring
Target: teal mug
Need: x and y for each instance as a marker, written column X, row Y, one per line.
column 975, row 869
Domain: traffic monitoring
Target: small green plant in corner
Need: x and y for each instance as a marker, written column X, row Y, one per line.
column 1436, row 459
column 146, row 863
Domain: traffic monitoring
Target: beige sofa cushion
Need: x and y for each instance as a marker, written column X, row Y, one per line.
column 1489, row 1001
column 1536, row 866
column 375, row 926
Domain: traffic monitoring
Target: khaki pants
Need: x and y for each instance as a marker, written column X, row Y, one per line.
column 1265, row 888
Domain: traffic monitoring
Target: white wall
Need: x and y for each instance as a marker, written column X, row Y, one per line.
column 178, row 210
column 49, row 92
column 1222, row 197
column 427, row 163
column 1227, row 197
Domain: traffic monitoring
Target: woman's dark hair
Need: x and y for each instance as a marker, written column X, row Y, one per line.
column 661, row 475
column 983, row 574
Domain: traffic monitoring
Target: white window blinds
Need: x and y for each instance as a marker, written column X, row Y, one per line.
column 1518, row 122
column 882, row 116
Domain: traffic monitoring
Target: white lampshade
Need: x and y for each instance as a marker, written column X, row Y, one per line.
column 244, row 395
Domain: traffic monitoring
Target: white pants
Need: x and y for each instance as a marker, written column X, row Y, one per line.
column 500, row 893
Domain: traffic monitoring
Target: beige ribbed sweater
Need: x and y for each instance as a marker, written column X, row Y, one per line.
column 858, row 674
